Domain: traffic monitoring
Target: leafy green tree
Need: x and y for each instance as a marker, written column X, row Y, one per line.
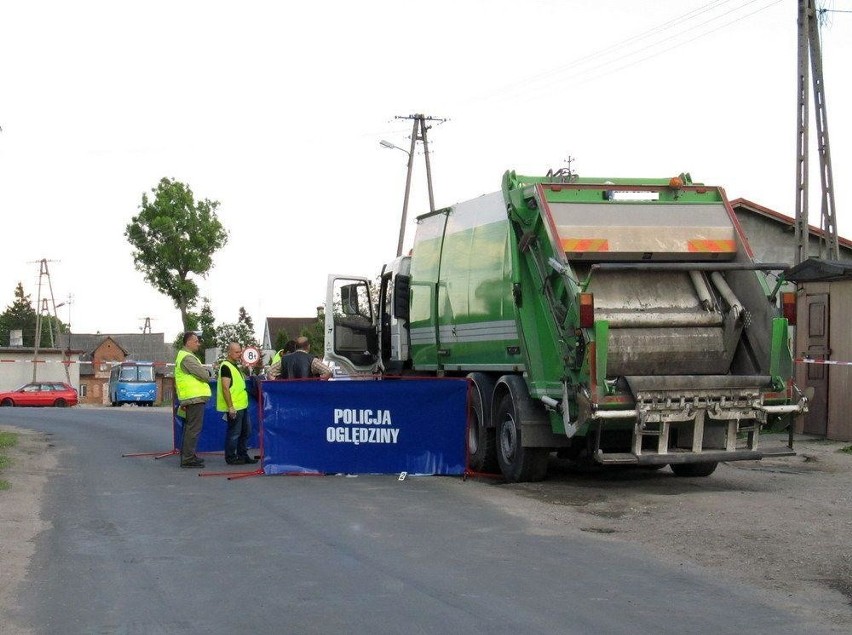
column 192, row 320
column 202, row 322
column 241, row 331
column 316, row 333
column 207, row 324
column 280, row 340
column 20, row 315
column 173, row 237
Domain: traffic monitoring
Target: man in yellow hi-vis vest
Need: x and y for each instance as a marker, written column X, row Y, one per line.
column 232, row 399
column 193, row 391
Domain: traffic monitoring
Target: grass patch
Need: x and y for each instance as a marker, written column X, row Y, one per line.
column 846, row 450
column 8, row 439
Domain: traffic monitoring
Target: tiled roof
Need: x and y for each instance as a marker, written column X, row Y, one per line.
column 149, row 347
column 744, row 203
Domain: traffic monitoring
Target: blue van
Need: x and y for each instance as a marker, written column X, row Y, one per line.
column 132, row 382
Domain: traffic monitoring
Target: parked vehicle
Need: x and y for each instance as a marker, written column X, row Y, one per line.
column 132, row 382
column 623, row 321
column 41, row 393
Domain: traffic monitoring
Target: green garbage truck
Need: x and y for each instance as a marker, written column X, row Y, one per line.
column 620, row 321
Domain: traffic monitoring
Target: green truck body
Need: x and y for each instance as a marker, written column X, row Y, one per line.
column 617, row 320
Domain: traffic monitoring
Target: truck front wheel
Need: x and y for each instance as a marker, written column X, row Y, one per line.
column 517, row 463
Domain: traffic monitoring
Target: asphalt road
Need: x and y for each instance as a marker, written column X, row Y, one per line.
column 142, row 546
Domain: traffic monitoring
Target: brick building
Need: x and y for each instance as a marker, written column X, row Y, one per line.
column 102, row 351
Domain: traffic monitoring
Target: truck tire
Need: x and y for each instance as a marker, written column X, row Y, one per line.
column 481, row 443
column 690, row 470
column 517, row 463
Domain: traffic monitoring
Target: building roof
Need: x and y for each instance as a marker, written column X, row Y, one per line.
column 744, row 203
column 148, row 347
column 818, row 270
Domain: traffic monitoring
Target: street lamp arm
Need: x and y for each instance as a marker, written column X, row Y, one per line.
column 388, row 144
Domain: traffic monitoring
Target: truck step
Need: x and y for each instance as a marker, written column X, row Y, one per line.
column 712, row 456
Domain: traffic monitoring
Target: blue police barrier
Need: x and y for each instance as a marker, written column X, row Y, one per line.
column 212, row 438
column 364, row 427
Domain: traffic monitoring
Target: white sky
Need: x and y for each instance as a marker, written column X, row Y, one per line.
column 276, row 110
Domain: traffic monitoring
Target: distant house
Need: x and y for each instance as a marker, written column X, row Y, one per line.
column 772, row 235
column 101, row 351
column 292, row 326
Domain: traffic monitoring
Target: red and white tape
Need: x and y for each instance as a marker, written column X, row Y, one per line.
column 69, row 361
column 808, row 360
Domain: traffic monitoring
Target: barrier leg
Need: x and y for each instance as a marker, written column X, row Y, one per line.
column 233, row 475
column 156, row 455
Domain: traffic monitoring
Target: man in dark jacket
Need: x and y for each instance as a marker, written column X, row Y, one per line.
column 301, row 364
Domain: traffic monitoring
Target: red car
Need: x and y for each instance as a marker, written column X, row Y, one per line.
column 40, row 393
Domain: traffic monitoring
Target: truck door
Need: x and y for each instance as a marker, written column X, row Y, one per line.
column 351, row 339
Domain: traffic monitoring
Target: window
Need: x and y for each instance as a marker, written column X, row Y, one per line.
column 83, row 390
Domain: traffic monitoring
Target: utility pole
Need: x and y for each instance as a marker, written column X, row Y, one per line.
column 809, row 49
column 419, row 122
column 146, row 331
column 43, row 309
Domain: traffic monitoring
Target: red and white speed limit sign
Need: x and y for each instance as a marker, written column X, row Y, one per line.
column 250, row 356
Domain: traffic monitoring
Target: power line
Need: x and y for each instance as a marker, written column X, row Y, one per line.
column 586, row 72
column 686, row 17
column 697, row 37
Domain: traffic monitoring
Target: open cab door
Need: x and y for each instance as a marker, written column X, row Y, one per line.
column 351, row 334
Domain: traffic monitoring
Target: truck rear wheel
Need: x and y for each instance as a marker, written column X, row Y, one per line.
column 517, row 463
column 693, row 469
column 481, row 443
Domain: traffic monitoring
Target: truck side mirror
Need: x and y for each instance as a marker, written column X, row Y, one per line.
column 401, row 297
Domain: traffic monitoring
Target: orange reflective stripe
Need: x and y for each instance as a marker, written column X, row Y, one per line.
column 585, row 244
column 714, row 246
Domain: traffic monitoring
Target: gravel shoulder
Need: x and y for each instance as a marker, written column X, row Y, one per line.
column 33, row 461
column 782, row 525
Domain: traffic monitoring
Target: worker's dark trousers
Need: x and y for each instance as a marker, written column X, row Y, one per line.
column 191, row 430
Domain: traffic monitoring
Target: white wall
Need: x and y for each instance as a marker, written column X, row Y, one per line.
column 16, row 368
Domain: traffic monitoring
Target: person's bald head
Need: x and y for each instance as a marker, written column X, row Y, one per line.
column 235, row 351
column 302, row 343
